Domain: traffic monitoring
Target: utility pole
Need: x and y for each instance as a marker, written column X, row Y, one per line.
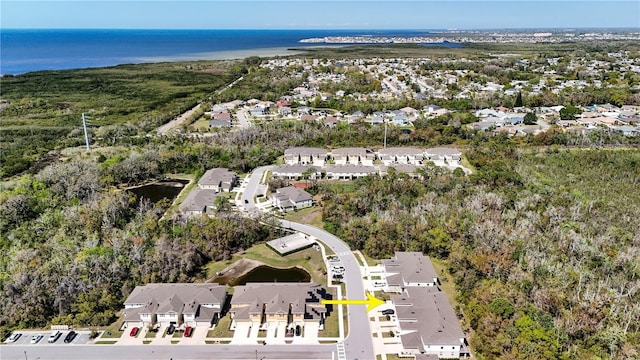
column 86, row 136
column 384, row 119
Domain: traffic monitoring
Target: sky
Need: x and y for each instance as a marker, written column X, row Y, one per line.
column 318, row 14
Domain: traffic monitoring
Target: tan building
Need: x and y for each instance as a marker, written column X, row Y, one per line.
column 287, row 305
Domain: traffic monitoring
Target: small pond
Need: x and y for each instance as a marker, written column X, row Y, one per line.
column 156, row 191
column 265, row 273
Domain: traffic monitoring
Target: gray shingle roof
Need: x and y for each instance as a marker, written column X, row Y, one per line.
column 217, row 177
column 172, row 297
column 427, row 311
column 305, row 151
column 294, row 194
column 198, row 199
column 413, row 267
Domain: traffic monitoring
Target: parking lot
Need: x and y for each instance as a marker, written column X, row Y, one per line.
column 25, row 338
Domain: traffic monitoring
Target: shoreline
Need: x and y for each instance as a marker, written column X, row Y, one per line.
column 203, row 56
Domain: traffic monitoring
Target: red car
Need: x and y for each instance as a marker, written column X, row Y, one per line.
column 134, row 332
column 187, row 331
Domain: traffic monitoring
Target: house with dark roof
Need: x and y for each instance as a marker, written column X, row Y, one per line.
column 275, row 305
column 291, row 198
column 179, row 304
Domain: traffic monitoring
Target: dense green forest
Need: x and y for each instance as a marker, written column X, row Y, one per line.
column 544, row 245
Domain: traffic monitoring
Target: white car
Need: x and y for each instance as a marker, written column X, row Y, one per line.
column 55, row 335
column 14, row 337
column 36, row 338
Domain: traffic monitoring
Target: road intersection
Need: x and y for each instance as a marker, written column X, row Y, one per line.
column 357, row 345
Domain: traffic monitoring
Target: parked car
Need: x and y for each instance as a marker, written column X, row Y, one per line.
column 134, row 331
column 298, row 330
column 171, row 329
column 36, row 338
column 14, row 337
column 70, row 336
column 55, row 335
column 388, row 312
column 187, row 331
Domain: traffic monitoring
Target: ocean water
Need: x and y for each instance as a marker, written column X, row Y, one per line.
column 23, row 51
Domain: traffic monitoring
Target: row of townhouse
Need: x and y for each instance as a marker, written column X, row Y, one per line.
column 360, row 156
column 201, row 305
column 427, row 322
column 342, row 172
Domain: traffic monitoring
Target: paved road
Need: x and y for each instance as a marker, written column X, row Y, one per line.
column 358, row 343
column 251, row 190
column 177, row 121
column 166, row 352
column 243, row 122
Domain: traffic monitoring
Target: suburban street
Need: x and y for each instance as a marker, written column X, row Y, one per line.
column 358, row 343
column 175, row 352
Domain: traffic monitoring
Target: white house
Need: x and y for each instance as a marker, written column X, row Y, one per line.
column 401, row 155
column 353, row 156
column 442, row 156
column 305, row 155
column 348, row 172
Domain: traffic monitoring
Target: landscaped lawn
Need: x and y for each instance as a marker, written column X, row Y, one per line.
column 311, row 216
column 310, row 259
column 113, row 331
column 331, row 324
column 222, row 328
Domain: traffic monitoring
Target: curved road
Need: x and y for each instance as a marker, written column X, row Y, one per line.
column 358, row 343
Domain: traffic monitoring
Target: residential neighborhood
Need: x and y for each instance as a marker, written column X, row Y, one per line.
column 416, row 80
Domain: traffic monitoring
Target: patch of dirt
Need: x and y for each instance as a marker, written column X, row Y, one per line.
column 236, row 270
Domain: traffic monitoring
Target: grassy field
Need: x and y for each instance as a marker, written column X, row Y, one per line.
column 222, row 328
column 113, row 330
column 44, row 109
column 106, row 342
column 310, row 259
column 311, row 216
column 446, row 281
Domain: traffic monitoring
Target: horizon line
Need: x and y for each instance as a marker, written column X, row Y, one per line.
column 342, row 29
